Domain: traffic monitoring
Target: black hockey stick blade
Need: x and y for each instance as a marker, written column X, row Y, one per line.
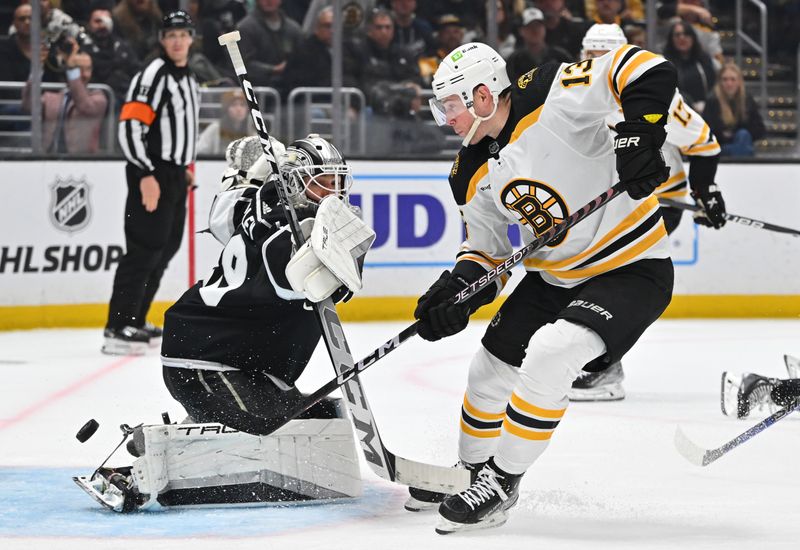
column 734, row 218
column 699, row 456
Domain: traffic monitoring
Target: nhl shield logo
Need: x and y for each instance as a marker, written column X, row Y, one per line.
column 69, row 208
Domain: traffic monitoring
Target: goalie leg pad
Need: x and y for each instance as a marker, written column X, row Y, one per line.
column 191, row 464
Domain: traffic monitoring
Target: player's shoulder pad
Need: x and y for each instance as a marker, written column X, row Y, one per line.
column 467, row 164
column 529, row 91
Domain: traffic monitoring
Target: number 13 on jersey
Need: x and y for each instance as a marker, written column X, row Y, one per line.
column 578, row 74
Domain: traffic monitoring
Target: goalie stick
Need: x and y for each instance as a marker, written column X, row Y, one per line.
column 274, row 423
column 732, row 218
column 383, row 462
column 699, row 456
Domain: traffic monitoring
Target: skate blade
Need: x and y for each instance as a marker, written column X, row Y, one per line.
column 112, row 346
column 85, row 483
column 446, row 527
column 610, row 392
column 729, row 393
column 792, row 366
column 414, row 505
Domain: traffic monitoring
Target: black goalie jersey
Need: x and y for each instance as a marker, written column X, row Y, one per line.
column 245, row 315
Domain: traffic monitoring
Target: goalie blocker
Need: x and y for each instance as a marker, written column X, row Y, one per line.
column 211, row 464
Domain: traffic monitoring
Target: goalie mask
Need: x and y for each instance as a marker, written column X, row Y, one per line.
column 313, row 168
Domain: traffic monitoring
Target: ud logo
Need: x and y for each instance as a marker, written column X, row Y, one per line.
column 536, row 205
column 524, row 80
column 69, row 207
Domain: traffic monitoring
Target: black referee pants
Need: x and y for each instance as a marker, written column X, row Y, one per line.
column 151, row 240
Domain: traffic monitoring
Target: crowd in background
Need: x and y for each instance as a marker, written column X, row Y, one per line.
column 391, row 51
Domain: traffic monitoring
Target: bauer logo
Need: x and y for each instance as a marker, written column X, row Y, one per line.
column 69, row 206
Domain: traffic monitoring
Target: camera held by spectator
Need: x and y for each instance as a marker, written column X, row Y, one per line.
column 59, row 33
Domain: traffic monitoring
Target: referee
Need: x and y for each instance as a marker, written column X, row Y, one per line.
column 158, row 135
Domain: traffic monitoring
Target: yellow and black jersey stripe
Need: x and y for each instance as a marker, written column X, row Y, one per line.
column 478, row 423
column 639, row 97
column 636, row 233
column 706, row 145
column 674, row 187
column 526, row 420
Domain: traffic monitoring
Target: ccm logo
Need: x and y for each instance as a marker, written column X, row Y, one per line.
column 621, row 143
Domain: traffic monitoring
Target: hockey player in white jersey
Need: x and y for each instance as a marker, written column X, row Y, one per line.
column 687, row 134
column 535, row 150
column 235, row 343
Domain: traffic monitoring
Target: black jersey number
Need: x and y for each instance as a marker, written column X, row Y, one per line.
column 233, row 272
column 578, row 74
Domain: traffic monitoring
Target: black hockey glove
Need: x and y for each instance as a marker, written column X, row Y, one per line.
column 436, row 316
column 640, row 164
column 713, row 207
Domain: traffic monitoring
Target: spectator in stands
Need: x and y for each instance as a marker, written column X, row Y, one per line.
column 268, row 39
column 233, row 124
column 138, row 22
column 113, row 59
column 16, row 49
column 696, row 75
column 396, row 128
column 449, row 36
column 614, row 11
column 79, row 10
column 297, row 9
column 709, row 38
column 311, row 62
column 411, row 32
column 354, row 15
column 733, row 115
column 471, row 12
column 72, row 117
column 381, row 60
column 217, row 17
column 506, row 39
column 636, row 35
column 534, row 50
column 563, row 30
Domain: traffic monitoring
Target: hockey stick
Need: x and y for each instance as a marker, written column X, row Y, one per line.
column 383, row 462
column 732, row 218
column 703, row 457
column 272, row 424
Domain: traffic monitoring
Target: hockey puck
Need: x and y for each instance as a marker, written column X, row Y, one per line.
column 87, row 430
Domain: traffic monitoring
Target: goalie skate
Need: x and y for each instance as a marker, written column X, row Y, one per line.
column 792, row 366
column 605, row 385
column 112, row 488
column 745, row 393
column 125, row 341
column 423, row 500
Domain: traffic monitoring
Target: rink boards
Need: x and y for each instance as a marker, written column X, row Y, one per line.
column 62, row 232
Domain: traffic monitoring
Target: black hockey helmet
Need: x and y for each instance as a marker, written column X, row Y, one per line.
column 308, row 158
column 177, row 19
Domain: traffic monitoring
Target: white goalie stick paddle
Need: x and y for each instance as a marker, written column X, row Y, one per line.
column 699, row 456
column 741, row 220
column 381, row 460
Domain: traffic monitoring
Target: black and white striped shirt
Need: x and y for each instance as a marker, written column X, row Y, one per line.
column 160, row 116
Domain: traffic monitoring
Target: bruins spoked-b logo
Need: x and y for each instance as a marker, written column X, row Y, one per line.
column 537, row 206
column 69, row 207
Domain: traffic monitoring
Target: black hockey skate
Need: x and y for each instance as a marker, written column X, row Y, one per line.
column 421, row 500
column 125, row 341
column 485, row 504
column 744, row 393
column 605, row 385
column 155, row 333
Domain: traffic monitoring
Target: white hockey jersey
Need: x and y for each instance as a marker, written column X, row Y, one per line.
column 687, row 134
column 554, row 155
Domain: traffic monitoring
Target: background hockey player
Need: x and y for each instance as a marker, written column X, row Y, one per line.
column 687, row 134
column 747, row 392
column 534, row 151
column 235, row 343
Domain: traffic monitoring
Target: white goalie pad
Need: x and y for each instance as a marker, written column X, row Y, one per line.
column 211, row 464
column 307, row 275
column 303, row 460
column 340, row 239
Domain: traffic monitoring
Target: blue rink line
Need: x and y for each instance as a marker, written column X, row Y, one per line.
column 45, row 502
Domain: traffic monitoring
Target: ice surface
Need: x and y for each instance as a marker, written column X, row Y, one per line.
column 610, row 479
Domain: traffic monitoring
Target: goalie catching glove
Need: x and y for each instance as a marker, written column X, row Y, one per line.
column 333, row 255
